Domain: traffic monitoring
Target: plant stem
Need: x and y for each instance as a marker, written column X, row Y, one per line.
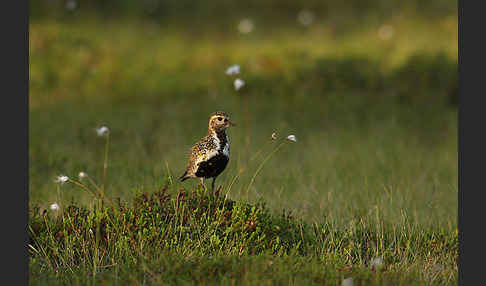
column 59, row 195
column 263, row 163
column 83, row 186
column 94, row 184
column 232, row 182
column 259, row 151
column 247, row 127
column 105, row 164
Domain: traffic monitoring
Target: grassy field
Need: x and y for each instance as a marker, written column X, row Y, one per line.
column 373, row 172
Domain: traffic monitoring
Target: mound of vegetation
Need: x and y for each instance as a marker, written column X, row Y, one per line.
column 188, row 220
column 194, row 224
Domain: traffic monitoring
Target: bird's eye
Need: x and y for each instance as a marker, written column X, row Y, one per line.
column 220, row 118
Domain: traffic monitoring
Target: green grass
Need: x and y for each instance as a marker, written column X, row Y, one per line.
column 193, row 238
column 373, row 172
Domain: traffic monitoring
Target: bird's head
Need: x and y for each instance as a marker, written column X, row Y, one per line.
column 219, row 121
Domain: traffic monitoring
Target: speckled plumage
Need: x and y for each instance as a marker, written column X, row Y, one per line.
column 210, row 155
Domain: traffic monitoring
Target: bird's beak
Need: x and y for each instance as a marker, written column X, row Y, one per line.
column 231, row 123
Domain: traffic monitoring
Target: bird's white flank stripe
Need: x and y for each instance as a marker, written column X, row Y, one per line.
column 226, row 147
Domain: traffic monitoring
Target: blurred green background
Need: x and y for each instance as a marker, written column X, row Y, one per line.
column 369, row 88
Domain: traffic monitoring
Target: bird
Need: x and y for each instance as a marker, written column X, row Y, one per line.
column 209, row 156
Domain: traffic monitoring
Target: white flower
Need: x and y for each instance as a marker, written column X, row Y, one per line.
column 305, row 17
column 385, row 32
column 71, row 5
column 292, row 138
column 82, row 175
column 376, row 263
column 347, row 282
column 274, row 136
column 234, row 69
column 245, row 26
column 54, row 207
column 238, row 84
column 62, row 179
column 102, row 130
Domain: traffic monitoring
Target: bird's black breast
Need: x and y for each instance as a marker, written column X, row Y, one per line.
column 212, row 167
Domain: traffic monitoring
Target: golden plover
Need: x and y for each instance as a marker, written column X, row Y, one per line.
column 209, row 157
